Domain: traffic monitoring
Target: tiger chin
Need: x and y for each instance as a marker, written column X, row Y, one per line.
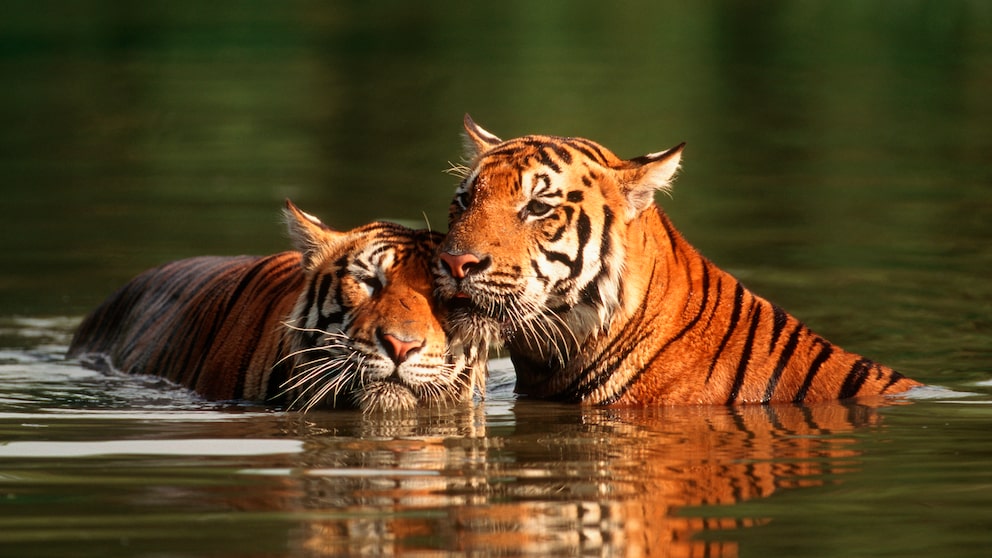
column 557, row 249
column 348, row 319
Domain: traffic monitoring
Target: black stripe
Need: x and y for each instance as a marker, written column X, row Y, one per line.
column 311, row 297
column 509, row 148
column 771, row 415
column 672, row 235
column 324, row 322
column 561, row 151
column 626, row 341
column 718, row 289
column 584, row 229
column 699, row 311
column 735, row 316
column 280, row 283
column 893, row 378
column 745, row 358
column 184, row 276
column 590, row 293
column 605, row 242
column 558, row 234
column 192, row 359
column 855, row 378
column 246, row 281
column 779, row 319
column 541, row 177
column 605, row 368
column 649, row 364
column 537, row 273
column 559, row 257
column 589, row 149
column 384, row 246
column 325, row 287
column 340, row 268
column 546, row 160
column 783, row 358
column 814, row 368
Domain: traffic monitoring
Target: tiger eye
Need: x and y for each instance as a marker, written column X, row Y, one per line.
column 538, row 208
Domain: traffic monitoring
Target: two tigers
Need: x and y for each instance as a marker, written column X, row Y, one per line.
column 555, row 248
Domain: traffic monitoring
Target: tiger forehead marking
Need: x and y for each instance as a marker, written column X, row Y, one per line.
column 532, row 167
column 557, row 249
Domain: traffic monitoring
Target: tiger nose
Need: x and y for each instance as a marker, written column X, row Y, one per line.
column 398, row 349
column 463, row 265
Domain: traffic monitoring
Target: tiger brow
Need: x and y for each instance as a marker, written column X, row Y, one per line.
column 539, row 183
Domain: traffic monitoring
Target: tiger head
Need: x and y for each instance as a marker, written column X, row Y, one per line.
column 538, row 233
column 366, row 330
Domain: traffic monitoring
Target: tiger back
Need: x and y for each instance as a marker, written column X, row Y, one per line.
column 557, row 248
column 348, row 319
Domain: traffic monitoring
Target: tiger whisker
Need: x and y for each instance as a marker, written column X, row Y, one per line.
column 456, row 169
column 298, row 353
column 538, row 326
column 321, row 391
column 304, row 372
column 334, row 386
column 338, row 333
column 305, row 380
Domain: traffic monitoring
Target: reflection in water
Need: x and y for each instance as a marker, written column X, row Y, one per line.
column 839, row 164
column 608, row 482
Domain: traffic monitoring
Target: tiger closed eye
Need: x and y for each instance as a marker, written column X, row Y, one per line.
column 373, row 284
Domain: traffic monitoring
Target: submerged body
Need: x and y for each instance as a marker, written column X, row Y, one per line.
column 557, row 249
column 213, row 324
column 348, row 320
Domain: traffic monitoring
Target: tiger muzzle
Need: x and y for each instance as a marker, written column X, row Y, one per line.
column 461, row 265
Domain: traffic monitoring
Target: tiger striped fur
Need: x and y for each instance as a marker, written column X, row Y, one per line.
column 557, row 248
column 347, row 320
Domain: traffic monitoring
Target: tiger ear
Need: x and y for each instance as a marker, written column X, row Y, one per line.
column 309, row 235
column 648, row 174
column 476, row 140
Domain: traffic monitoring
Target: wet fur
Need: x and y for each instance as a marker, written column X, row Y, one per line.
column 303, row 328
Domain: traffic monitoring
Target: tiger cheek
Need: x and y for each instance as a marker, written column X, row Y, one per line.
column 550, row 227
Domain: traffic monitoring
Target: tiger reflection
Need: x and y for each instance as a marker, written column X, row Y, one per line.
column 553, row 481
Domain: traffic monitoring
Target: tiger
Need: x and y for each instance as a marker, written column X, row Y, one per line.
column 557, row 250
column 346, row 319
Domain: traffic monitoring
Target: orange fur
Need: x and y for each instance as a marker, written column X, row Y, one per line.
column 557, row 248
column 349, row 319
column 612, row 482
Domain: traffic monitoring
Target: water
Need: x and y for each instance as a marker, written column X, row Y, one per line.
column 837, row 162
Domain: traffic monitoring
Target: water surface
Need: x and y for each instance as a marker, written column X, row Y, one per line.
column 838, row 162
